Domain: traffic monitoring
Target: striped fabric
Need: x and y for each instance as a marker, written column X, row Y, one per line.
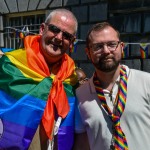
column 144, row 50
column 29, row 93
column 119, row 139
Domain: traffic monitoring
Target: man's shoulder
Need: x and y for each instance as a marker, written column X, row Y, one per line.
column 86, row 90
column 136, row 72
column 139, row 76
column 139, row 72
column 83, row 87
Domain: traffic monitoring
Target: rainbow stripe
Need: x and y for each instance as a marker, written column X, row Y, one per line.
column 21, row 35
column 24, row 95
column 65, row 136
column 125, row 53
column 21, row 110
column 6, row 49
column 144, row 50
column 74, row 48
column 120, row 142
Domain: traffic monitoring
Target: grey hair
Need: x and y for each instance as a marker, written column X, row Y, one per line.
column 65, row 12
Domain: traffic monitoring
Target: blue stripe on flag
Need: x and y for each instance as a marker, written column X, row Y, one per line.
column 25, row 111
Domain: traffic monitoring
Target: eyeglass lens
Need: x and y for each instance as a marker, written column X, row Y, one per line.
column 56, row 30
column 110, row 45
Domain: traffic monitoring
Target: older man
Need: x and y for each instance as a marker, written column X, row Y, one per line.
column 36, row 84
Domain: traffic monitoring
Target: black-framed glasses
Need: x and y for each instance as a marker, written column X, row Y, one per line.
column 57, row 30
column 112, row 46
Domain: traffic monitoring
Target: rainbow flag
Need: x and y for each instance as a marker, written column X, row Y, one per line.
column 21, row 35
column 144, row 50
column 125, row 53
column 21, row 110
column 65, row 136
column 6, row 49
column 24, row 92
column 21, row 107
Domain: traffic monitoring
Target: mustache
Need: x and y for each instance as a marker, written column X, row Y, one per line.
column 106, row 57
column 55, row 44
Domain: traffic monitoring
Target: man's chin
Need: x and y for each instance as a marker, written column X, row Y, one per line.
column 51, row 48
column 52, row 51
column 52, row 57
column 106, row 67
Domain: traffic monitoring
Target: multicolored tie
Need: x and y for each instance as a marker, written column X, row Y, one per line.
column 119, row 139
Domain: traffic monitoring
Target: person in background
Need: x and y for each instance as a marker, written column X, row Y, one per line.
column 115, row 103
column 82, row 78
column 37, row 88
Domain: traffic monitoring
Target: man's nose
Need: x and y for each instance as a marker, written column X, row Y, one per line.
column 105, row 49
column 59, row 35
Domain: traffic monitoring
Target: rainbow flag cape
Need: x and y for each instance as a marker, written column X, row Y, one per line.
column 144, row 50
column 21, row 104
column 23, row 97
column 4, row 50
column 65, row 136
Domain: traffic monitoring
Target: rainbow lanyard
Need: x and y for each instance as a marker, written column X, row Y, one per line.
column 119, row 141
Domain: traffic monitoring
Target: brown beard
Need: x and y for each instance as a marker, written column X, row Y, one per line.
column 107, row 67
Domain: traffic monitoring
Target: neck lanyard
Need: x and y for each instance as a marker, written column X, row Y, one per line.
column 119, row 141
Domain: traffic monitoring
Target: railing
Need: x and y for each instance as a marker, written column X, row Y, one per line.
column 13, row 35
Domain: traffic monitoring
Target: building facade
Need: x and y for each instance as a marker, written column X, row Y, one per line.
column 130, row 17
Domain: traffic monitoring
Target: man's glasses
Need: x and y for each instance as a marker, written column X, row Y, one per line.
column 112, row 46
column 57, row 30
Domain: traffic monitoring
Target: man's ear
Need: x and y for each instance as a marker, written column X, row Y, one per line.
column 122, row 47
column 87, row 50
column 41, row 28
column 70, row 47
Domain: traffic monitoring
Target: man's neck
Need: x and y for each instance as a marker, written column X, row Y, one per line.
column 108, row 79
column 54, row 67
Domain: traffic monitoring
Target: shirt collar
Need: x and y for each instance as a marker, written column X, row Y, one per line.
column 92, row 86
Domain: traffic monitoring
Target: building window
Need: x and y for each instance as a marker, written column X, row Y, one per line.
column 14, row 26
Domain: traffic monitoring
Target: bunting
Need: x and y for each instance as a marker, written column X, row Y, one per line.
column 74, row 48
column 144, row 50
column 125, row 53
column 17, row 33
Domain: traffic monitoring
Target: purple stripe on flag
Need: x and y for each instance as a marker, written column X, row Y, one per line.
column 17, row 142
column 65, row 141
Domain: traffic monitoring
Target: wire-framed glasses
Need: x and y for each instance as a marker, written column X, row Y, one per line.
column 112, row 46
